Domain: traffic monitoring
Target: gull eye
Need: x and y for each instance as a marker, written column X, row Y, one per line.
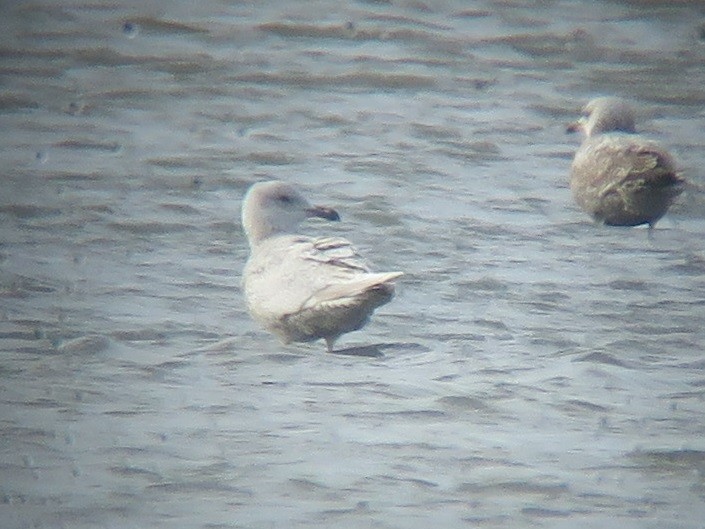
column 285, row 199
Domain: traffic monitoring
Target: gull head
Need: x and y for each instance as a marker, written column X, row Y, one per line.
column 604, row 114
column 271, row 208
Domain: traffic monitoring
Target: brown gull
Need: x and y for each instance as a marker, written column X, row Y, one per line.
column 617, row 176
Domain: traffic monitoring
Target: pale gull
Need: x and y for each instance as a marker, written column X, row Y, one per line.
column 617, row 176
column 302, row 288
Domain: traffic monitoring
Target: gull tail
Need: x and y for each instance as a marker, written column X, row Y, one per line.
column 370, row 287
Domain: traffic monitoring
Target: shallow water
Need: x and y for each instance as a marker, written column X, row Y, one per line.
column 536, row 370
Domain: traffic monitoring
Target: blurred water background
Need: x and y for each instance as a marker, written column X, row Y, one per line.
column 538, row 370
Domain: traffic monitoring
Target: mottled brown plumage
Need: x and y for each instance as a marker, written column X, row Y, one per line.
column 617, row 176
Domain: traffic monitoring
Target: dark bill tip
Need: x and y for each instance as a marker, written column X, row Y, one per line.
column 323, row 212
column 572, row 128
